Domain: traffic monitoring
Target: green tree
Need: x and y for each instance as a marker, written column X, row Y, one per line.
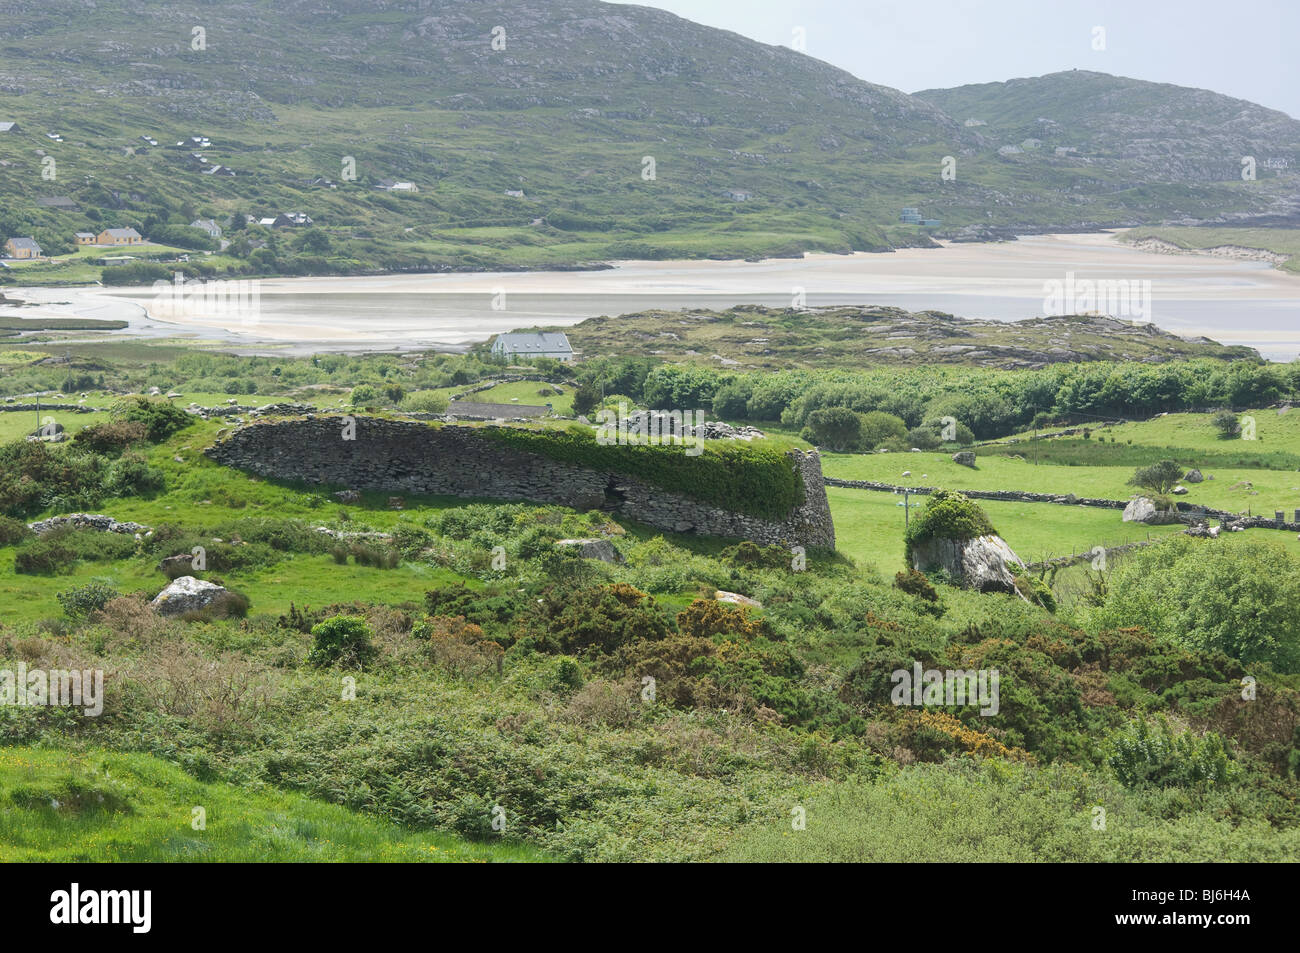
column 835, row 427
column 1242, row 600
column 1225, row 421
column 1158, row 478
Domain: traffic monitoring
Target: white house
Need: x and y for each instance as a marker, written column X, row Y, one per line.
column 207, row 225
column 554, row 344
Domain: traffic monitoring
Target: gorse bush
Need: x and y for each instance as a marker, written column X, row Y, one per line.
column 111, row 436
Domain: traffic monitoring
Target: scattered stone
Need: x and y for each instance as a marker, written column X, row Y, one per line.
column 175, row 566
column 347, row 496
column 95, row 521
column 397, row 502
column 1179, row 490
column 186, row 594
column 1141, row 509
column 601, row 549
column 737, row 599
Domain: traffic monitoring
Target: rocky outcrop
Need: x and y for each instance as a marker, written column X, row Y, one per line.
column 601, row 549
column 411, row 457
column 186, row 594
column 982, row 563
column 95, row 521
column 1141, row 509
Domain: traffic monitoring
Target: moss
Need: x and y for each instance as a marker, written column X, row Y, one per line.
column 758, row 481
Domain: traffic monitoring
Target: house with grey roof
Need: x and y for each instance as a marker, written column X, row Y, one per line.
column 22, row 248
column 207, row 225
column 8, row 127
column 516, row 344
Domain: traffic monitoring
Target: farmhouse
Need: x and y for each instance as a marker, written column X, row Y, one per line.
column 207, row 225
column 554, row 344
column 290, row 220
column 9, row 127
column 22, row 248
column 388, row 185
column 84, row 238
column 119, row 236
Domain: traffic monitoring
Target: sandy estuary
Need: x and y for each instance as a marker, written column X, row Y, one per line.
column 1230, row 300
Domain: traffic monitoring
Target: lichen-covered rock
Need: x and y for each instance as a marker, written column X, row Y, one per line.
column 982, row 563
column 186, row 594
column 1141, row 509
column 964, row 458
column 1194, row 476
column 601, row 549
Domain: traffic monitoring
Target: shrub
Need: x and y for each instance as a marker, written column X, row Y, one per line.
column 947, row 515
column 1242, row 600
column 12, row 531
column 45, row 556
column 111, row 436
column 595, row 619
column 1225, row 421
column 342, row 640
column 708, row 618
column 160, row 417
column 1143, row 755
column 425, row 401
column 81, row 601
column 837, row 428
column 914, row 583
column 132, row 476
column 1159, row 478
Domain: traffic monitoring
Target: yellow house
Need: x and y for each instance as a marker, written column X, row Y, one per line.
column 118, row 236
column 85, row 238
column 22, row 248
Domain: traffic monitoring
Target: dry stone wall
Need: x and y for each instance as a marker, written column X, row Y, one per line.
column 399, row 456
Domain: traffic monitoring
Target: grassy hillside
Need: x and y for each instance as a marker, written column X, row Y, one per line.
column 99, row 806
column 521, row 685
column 313, row 111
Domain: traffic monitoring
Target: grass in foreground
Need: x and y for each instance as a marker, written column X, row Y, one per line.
column 97, row 806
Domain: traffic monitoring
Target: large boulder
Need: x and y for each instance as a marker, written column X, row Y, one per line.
column 1142, row 509
column 982, row 563
column 186, row 594
column 1194, row 476
column 601, row 549
column 964, row 458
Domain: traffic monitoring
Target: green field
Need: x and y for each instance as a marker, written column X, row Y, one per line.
column 98, row 806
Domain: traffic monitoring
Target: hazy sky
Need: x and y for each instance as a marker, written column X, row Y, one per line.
column 1244, row 49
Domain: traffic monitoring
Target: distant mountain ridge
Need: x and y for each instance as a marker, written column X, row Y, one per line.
column 548, row 134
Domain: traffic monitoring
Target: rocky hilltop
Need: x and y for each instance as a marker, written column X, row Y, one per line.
column 752, row 337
